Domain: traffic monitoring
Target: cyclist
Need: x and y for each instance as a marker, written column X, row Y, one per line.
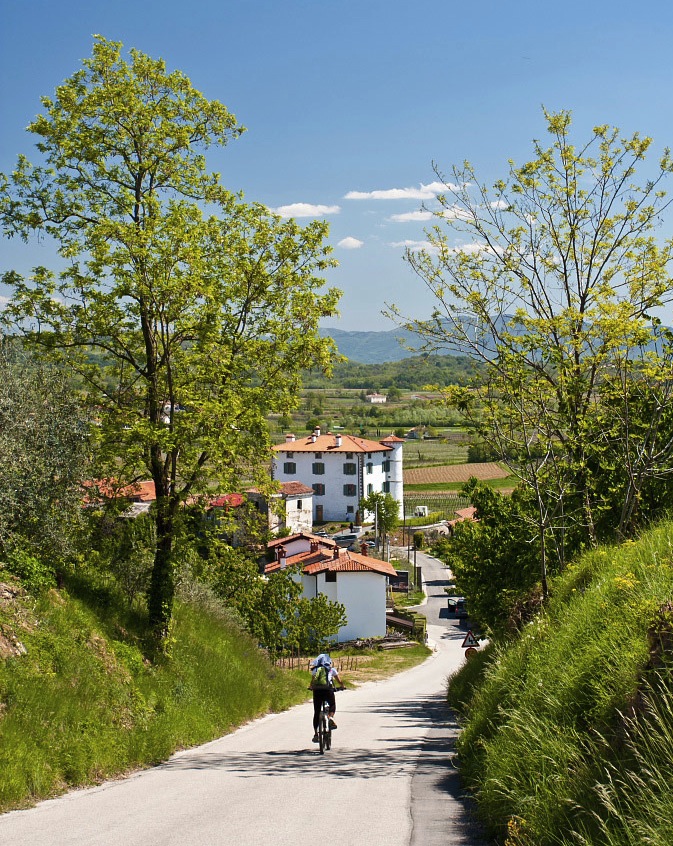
column 325, row 692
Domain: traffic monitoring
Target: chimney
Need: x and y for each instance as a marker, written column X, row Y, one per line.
column 338, row 440
column 363, row 549
column 315, row 545
column 282, row 555
column 336, row 553
column 289, row 438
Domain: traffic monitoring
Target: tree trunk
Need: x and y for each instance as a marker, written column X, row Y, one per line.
column 162, row 583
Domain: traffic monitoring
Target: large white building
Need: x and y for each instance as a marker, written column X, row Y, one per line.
column 341, row 470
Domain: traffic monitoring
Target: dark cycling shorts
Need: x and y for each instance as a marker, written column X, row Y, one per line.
column 320, row 696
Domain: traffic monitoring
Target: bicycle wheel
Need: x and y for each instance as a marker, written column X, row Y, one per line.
column 322, row 732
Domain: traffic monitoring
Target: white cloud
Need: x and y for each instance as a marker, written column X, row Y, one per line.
column 414, row 246
column 425, row 192
column 456, row 213
column 409, row 216
column 306, row 210
column 350, row 243
column 499, row 204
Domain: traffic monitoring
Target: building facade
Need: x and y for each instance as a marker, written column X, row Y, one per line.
column 356, row 580
column 341, row 470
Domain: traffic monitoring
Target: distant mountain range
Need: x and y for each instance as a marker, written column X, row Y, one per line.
column 382, row 347
column 372, row 347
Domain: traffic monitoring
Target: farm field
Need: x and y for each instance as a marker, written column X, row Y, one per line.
column 453, row 474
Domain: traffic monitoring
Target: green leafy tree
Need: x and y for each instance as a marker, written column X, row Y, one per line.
column 494, row 558
column 546, row 281
column 317, row 622
column 385, row 510
column 203, row 309
column 43, row 452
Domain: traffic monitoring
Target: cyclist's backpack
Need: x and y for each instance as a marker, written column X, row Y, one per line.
column 320, row 678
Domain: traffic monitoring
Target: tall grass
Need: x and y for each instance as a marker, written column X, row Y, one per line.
column 568, row 736
column 81, row 706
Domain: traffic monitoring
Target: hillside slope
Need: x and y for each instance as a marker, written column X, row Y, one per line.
column 568, row 732
column 79, row 703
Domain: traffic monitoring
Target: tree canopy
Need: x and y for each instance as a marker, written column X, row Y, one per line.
column 43, row 448
column 203, row 309
column 549, row 280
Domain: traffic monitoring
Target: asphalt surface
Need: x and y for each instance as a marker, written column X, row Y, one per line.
column 387, row 781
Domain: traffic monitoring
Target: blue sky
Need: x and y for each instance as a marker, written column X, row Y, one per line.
column 348, row 103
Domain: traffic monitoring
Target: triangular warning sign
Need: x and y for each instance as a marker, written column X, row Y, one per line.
column 470, row 640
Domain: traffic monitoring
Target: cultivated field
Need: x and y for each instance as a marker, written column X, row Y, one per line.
column 453, row 473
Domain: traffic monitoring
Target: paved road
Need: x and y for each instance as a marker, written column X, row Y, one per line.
column 388, row 780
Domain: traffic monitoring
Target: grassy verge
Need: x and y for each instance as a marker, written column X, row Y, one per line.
column 81, row 706
column 373, row 665
column 568, row 735
column 408, row 600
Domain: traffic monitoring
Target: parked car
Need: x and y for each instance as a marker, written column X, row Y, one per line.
column 458, row 605
column 345, row 540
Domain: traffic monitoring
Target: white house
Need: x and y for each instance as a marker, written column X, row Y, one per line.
column 355, row 580
column 341, row 470
column 376, row 399
column 291, row 508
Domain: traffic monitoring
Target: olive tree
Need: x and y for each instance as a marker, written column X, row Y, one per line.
column 43, row 452
column 188, row 313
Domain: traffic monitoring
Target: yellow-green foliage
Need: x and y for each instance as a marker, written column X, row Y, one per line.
column 80, row 706
column 556, row 722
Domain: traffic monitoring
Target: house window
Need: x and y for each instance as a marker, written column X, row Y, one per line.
column 386, row 466
column 330, row 576
column 386, row 487
column 318, row 468
column 370, row 488
column 350, row 490
column 318, row 455
column 299, row 504
column 289, row 467
column 349, row 509
column 369, row 455
column 319, row 490
column 350, row 469
column 349, row 455
column 370, row 467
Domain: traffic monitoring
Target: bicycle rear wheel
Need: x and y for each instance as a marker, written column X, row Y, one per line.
column 322, row 733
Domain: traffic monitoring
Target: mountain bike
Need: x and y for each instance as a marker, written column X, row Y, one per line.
column 324, row 730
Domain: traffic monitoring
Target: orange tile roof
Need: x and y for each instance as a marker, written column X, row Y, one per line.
column 328, row 542
column 466, row 513
column 295, row 489
column 230, row 500
column 317, row 561
column 111, row 489
column 328, row 443
column 350, row 562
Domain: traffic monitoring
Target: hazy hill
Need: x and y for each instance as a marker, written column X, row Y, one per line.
column 371, row 347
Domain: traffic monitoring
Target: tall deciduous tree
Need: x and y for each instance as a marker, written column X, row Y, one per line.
column 203, row 309
column 547, row 280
